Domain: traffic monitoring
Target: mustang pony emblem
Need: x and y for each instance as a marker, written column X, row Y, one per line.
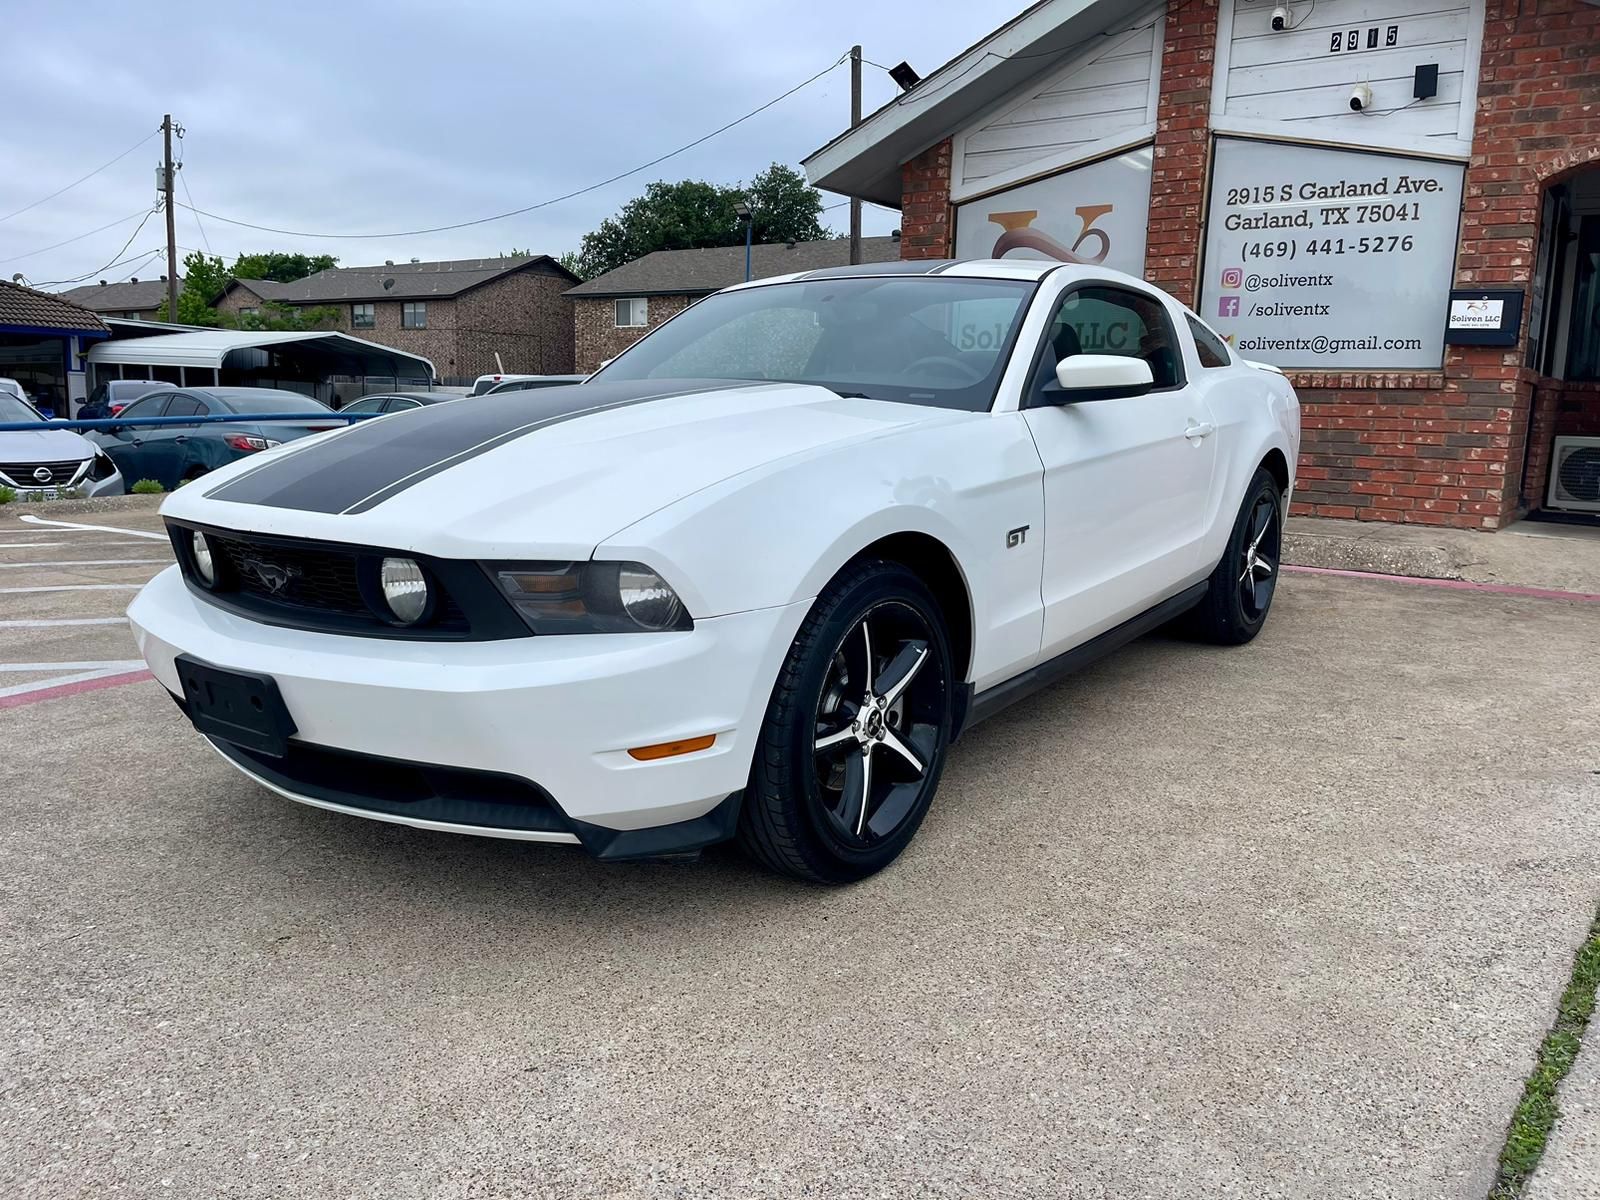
column 269, row 575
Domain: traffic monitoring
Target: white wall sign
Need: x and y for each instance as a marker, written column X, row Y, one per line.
column 1322, row 259
column 1477, row 314
column 1091, row 214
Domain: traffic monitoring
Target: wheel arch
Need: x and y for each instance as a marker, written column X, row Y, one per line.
column 934, row 563
column 1276, row 464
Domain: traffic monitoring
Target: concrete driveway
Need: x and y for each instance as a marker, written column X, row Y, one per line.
column 1282, row 921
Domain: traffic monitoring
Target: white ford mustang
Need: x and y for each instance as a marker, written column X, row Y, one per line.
column 751, row 580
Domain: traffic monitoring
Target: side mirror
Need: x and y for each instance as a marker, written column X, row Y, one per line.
column 1085, row 377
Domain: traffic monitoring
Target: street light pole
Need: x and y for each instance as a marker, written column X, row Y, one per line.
column 743, row 211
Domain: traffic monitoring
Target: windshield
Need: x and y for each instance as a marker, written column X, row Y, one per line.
column 12, row 409
column 923, row 339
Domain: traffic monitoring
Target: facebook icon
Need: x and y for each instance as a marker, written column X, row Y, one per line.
column 1228, row 306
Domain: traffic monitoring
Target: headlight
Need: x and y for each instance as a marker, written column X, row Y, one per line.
column 200, row 551
column 102, row 467
column 405, row 589
column 592, row 597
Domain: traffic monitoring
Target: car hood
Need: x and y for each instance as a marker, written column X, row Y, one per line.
column 549, row 473
column 44, row 445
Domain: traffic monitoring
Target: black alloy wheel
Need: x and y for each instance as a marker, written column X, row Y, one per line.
column 879, row 724
column 1258, row 558
column 1240, row 590
column 855, row 734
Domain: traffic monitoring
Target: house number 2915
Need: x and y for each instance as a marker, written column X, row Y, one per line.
column 1346, row 40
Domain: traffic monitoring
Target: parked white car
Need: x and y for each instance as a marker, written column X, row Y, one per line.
column 42, row 463
column 751, row 580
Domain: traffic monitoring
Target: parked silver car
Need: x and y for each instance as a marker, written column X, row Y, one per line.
column 44, row 462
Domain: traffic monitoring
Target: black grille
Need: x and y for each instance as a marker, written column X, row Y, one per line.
column 1579, row 474
column 455, row 795
column 332, row 587
column 316, row 579
column 26, row 474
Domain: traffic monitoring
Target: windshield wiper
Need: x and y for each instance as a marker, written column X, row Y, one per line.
column 851, row 395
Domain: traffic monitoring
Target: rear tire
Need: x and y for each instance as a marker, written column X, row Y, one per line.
column 855, row 734
column 1239, row 593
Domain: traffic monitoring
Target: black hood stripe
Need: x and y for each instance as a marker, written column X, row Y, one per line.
column 359, row 470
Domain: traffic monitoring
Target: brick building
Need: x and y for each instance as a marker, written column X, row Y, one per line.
column 614, row 310
column 1364, row 192
column 141, row 299
column 459, row 314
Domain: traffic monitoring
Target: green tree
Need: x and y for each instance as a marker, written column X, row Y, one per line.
column 204, row 277
column 277, row 316
column 569, row 260
column 785, row 207
column 277, row 265
column 692, row 214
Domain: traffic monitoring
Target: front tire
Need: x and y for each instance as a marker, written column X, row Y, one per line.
column 1239, row 593
column 855, row 734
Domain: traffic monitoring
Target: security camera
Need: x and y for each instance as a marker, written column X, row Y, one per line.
column 1360, row 98
column 1282, row 18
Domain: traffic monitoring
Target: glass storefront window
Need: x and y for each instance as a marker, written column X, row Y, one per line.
column 1583, row 336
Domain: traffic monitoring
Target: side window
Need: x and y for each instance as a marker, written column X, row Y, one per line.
column 1110, row 320
column 361, row 406
column 1213, row 351
column 184, row 406
column 149, row 406
column 400, row 404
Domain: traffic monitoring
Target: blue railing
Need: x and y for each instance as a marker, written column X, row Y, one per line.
column 226, row 419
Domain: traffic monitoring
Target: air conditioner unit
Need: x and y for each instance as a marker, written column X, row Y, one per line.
column 1575, row 475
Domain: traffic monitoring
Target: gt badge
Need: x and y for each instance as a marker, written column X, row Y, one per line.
column 1017, row 536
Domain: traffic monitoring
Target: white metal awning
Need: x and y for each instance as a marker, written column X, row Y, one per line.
column 210, row 349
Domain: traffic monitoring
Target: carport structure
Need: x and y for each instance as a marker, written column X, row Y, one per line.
column 311, row 362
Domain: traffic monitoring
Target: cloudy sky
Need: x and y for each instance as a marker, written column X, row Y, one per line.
column 361, row 117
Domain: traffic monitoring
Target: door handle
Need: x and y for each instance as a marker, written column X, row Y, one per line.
column 1198, row 430
column 181, row 438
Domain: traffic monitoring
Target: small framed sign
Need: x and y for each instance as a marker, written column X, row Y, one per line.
column 1490, row 317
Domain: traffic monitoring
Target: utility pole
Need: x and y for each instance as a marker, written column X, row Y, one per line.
column 855, row 119
column 172, row 234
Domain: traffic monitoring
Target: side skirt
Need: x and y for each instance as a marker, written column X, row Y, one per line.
column 1003, row 695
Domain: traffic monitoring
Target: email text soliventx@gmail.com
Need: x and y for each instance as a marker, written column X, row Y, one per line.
column 751, row 580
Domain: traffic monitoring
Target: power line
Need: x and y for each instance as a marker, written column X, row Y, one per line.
column 193, row 211
column 70, row 240
column 114, row 258
column 516, row 212
column 76, row 182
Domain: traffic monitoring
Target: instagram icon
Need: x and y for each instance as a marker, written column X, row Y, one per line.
column 1233, row 277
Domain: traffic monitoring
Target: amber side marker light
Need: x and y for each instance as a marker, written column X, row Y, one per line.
column 672, row 749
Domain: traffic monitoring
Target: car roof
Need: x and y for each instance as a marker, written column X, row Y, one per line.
column 425, row 397
column 1026, row 269
column 152, row 384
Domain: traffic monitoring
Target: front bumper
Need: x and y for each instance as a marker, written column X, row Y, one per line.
column 558, row 713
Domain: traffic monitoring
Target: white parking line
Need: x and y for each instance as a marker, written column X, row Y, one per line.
column 41, row 685
column 120, row 664
column 50, row 622
column 139, row 533
column 89, row 562
column 75, row 587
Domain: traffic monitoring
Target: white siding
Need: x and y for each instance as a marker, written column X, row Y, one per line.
column 1103, row 93
column 1294, row 84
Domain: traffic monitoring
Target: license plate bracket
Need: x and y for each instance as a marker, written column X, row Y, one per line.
column 236, row 706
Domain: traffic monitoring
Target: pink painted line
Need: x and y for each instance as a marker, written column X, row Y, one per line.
column 1460, row 585
column 72, row 689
